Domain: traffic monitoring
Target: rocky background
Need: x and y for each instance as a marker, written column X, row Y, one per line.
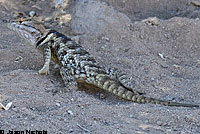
column 156, row 42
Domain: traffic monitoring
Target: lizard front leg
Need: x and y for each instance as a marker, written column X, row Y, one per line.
column 47, row 60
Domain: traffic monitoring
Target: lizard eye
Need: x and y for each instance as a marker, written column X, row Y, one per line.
column 32, row 33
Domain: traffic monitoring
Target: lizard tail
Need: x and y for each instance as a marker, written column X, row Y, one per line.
column 113, row 86
column 181, row 104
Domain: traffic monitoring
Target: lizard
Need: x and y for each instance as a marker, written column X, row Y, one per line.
column 77, row 65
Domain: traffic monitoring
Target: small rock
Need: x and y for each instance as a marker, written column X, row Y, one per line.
column 37, row 7
column 176, row 66
column 47, row 18
column 65, row 18
column 159, row 123
column 57, row 104
column 152, row 21
column 71, row 130
column 102, row 96
column 152, row 79
column 18, row 59
column 195, row 3
column 141, row 36
column 32, row 13
column 72, row 99
column 70, row 112
column 105, row 38
column 161, row 55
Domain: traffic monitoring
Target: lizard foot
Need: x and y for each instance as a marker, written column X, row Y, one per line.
column 44, row 70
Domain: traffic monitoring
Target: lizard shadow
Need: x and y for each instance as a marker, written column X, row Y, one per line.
column 101, row 94
column 98, row 93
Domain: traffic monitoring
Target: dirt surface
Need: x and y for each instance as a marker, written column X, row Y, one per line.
column 156, row 42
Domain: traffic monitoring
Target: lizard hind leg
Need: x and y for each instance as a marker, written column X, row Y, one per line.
column 67, row 78
column 123, row 78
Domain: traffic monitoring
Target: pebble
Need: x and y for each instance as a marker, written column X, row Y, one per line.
column 58, row 104
column 37, row 7
column 32, row 13
column 71, row 130
column 152, row 21
column 65, row 18
column 102, row 96
column 18, row 59
column 105, row 38
column 70, row 112
column 159, row 123
column 161, row 55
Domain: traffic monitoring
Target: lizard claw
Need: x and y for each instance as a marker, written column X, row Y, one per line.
column 44, row 71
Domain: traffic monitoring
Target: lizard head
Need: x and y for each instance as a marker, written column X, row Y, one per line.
column 28, row 29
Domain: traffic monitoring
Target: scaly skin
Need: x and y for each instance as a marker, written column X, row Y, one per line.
column 78, row 65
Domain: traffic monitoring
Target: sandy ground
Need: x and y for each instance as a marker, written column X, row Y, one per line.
column 161, row 54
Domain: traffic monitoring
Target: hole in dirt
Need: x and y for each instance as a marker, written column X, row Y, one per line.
column 164, row 9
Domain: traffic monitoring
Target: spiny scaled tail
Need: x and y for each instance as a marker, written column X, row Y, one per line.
column 113, row 86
